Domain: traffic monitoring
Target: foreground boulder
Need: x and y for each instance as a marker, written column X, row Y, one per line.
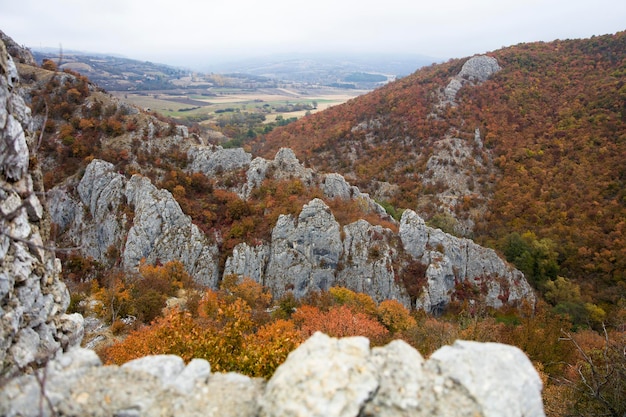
column 324, row 377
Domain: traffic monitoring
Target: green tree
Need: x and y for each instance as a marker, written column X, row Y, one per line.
column 536, row 258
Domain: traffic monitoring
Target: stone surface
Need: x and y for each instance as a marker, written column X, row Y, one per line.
column 161, row 231
column 135, row 217
column 476, row 70
column 336, row 186
column 323, row 377
column 490, row 372
column 453, row 260
column 211, row 160
column 17, row 52
column 305, row 251
column 248, row 261
column 401, row 379
column 33, row 325
column 367, row 262
column 479, row 68
column 285, row 166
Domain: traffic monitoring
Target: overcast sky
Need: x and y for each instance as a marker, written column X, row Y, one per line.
column 172, row 31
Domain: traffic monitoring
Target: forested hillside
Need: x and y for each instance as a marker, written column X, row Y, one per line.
column 526, row 157
column 552, row 177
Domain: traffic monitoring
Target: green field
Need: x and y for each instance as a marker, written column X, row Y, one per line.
column 224, row 101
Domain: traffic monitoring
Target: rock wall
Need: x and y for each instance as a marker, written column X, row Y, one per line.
column 324, row 377
column 112, row 211
column 310, row 252
column 33, row 323
column 452, row 261
column 476, row 70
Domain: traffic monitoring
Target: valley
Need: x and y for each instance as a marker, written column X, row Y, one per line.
column 208, row 105
column 229, row 217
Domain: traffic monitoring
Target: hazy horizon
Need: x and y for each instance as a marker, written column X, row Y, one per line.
column 195, row 34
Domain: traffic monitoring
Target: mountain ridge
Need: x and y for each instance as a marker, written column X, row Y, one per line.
column 554, row 108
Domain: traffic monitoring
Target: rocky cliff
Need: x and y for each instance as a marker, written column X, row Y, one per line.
column 33, row 323
column 110, row 213
column 310, row 252
column 476, row 70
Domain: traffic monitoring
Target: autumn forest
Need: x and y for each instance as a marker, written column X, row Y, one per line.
column 544, row 141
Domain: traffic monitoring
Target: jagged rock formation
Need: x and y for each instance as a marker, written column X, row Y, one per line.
column 17, row 52
column 33, row 323
column 452, row 261
column 211, row 160
column 284, row 166
column 151, row 226
column 476, row 70
column 371, row 262
column 324, row 377
column 304, row 252
column 309, row 253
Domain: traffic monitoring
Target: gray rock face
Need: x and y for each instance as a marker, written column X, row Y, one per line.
column 77, row 384
column 248, row 261
column 336, row 186
column 453, row 260
column 211, row 160
column 17, row 52
column 468, row 362
column 479, row 68
column 476, row 70
column 305, row 251
column 284, row 166
column 33, row 300
column 161, row 231
column 369, row 255
column 135, row 217
column 14, row 119
column 313, row 253
column 323, row 377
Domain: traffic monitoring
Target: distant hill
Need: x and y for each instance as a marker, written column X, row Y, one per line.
column 115, row 73
column 530, row 161
column 364, row 71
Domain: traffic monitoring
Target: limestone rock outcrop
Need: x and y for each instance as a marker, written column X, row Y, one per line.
column 134, row 217
column 312, row 252
column 211, row 160
column 324, row 377
column 453, row 261
column 285, row 166
column 17, row 52
column 370, row 262
column 248, row 261
column 476, row 70
column 305, row 251
column 336, row 186
column 33, row 300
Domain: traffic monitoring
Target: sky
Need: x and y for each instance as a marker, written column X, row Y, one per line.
column 183, row 32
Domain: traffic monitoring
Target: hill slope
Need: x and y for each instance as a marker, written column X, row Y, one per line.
column 548, row 185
